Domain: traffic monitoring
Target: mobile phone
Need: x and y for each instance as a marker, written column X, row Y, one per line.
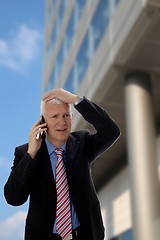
column 43, row 135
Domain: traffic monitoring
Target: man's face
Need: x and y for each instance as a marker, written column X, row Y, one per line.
column 59, row 120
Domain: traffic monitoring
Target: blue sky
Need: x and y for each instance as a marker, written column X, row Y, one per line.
column 21, row 59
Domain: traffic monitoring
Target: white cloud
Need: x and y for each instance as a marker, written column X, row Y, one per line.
column 13, row 227
column 21, row 49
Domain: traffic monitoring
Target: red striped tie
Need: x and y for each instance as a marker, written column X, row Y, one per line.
column 63, row 209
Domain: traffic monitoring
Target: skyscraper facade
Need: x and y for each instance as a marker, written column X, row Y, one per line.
column 74, row 32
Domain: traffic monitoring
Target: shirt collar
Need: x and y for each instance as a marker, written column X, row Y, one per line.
column 51, row 148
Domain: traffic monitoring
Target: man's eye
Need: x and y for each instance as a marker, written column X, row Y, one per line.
column 67, row 115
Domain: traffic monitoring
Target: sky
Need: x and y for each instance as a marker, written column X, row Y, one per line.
column 21, row 60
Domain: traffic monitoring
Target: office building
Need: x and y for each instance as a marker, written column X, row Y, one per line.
column 108, row 50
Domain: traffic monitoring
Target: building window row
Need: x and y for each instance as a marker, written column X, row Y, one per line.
column 97, row 27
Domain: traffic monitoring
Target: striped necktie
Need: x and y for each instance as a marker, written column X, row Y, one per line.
column 63, row 209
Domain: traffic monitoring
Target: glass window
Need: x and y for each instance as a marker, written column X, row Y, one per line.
column 117, row 2
column 56, row 28
column 60, row 58
column 69, row 33
column 51, row 81
column 72, row 80
column 91, row 42
column 100, row 21
column 113, row 7
column 57, row 70
column 72, row 24
column 53, row 2
column 61, row 11
column 52, row 5
column 49, row 50
column 82, row 59
column 54, row 76
column 75, row 77
column 78, row 10
column 80, row 6
column 69, row 85
column 53, row 37
column 128, row 235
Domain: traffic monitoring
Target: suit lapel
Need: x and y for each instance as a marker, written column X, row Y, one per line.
column 45, row 162
column 71, row 152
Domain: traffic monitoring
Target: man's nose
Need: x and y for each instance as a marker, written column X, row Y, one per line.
column 62, row 120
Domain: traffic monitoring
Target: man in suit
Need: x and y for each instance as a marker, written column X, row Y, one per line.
column 34, row 170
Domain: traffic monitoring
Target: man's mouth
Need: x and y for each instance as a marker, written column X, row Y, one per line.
column 61, row 130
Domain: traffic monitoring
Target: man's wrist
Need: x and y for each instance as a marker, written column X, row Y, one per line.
column 32, row 155
column 78, row 100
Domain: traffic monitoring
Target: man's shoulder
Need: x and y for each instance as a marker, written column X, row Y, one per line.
column 79, row 134
column 22, row 148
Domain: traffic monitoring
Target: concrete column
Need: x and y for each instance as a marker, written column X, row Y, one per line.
column 143, row 166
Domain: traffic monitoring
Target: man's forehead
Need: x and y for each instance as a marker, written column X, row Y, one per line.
column 62, row 107
column 52, row 103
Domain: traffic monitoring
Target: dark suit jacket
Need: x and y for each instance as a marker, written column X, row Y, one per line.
column 34, row 178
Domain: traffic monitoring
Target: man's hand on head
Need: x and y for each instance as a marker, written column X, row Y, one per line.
column 62, row 95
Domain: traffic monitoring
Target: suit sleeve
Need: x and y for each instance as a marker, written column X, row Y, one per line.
column 17, row 188
column 107, row 131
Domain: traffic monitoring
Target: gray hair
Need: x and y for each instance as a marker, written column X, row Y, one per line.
column 52, row 101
